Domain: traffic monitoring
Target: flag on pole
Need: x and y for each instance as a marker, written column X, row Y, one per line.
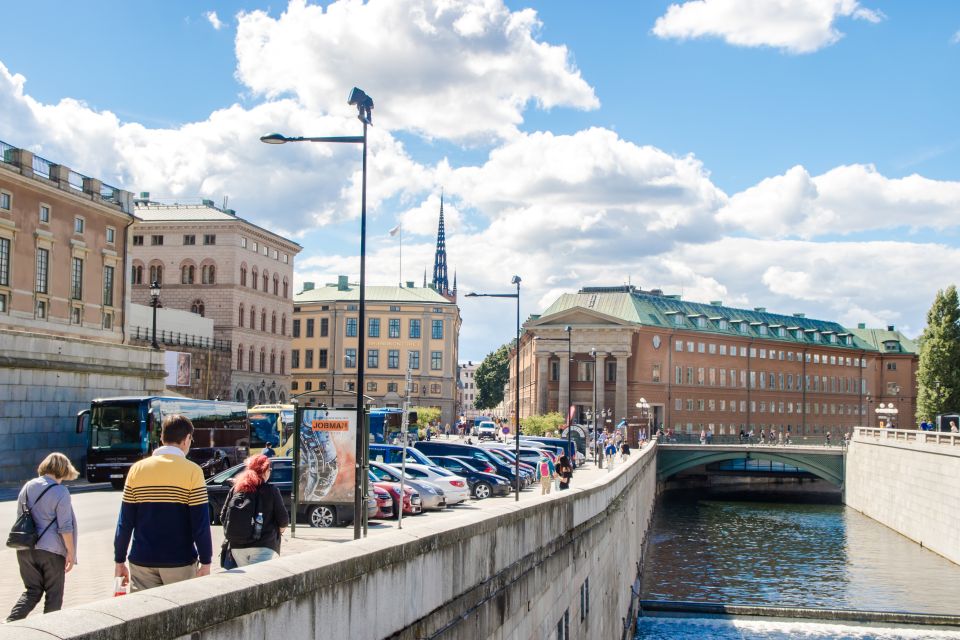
column 395, row 230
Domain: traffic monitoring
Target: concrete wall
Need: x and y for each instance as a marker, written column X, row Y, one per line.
column 511, row 572
column 46, row 380
column 908, row 481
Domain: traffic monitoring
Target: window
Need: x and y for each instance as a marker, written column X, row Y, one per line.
column 322, row 359
column 373, row 358
column 156, row 241
column 5, row 200
column 611, row 371
column 373, row 328
column 655, row 375
column 276, row 285
column 108, row 286
column 324, row 327
column 243, row 242
column 273, row 322
column 393, row 359
column 254, row 247
column 414, row 328
column 349, row 385
column 187, row 274
column 310, row 324
column 43, row 267
column 308, row 358
column 678, row 345
column 111, row 235
column 209, row 238
column 295, row 359
column 266, row 281
column 265, row 250
column 209, row 274
column 436, row 360
column 243, row 276
column 253, row 279
column 414, row 359
column 250, row 359
column 76, row 315
column 350, row 358
column 351, row 327
column 156, row 273
column 138, row 241
column 371, row 386
column 891, row 366
column 189, row 240
column 78, row 225
column 436, row 331
column 308, row 385
column 285, row 285
column 391, row 387
column 76, row 277
column 197, row 307
column 393, row 328
column 263, row 320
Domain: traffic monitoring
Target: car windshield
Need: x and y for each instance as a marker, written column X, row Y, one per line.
column 116, row 426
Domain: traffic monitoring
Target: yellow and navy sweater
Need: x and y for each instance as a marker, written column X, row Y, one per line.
column 165, row 509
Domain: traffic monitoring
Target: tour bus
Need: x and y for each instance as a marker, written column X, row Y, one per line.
column 273, row 424
column 122, row 430
column 386, row 423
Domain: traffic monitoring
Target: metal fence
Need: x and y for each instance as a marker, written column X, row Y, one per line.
column 179, row 339
column 788, row 440
column 6, row 152
column 909, row 436
column 41, row 167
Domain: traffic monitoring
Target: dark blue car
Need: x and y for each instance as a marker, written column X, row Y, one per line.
column 482, row 485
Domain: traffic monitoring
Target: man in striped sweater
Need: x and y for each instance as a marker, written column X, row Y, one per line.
column 165, row 510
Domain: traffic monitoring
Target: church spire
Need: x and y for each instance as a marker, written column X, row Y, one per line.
column 440, row 282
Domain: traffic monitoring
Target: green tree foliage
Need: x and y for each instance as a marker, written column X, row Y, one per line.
column 938, row 376
column 491, row 375
column 426, row 415
column 539, row 425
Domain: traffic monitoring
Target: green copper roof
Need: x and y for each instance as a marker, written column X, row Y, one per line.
column 886, row 340
column 670, row 312
column 333, row 293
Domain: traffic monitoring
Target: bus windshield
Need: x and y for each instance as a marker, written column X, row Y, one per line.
column 116, row 426
column 263, row 429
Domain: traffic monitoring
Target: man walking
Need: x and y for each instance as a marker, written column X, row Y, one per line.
column 166, row 512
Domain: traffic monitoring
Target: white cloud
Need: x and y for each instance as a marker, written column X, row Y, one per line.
column 794, row 26
column 956, row 38
column 844, row 200
column 214, row 21
column 457, row 70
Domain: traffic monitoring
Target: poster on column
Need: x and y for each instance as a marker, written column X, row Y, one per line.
column 327, row 455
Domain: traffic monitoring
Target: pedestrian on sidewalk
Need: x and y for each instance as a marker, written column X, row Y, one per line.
column 262, row 518
column 43, row 569
column 165, row 511
column 547, row 472
column 565, row 472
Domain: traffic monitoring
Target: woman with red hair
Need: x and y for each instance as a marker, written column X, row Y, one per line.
column 253, row 514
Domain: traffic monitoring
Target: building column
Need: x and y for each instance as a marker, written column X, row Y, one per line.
column 621, row 404
column 543, row 367
column 564, row 399
column 598, row 379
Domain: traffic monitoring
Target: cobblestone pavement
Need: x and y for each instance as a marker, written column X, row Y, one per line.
column 92, row 578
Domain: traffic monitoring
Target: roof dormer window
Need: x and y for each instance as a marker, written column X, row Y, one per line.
column 762, row 329
column 743, row 326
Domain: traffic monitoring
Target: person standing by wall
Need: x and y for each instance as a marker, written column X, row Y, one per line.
column 165, row 511
column 269, row 514
column 547, row 472
column 564, row 471
column 43, row 569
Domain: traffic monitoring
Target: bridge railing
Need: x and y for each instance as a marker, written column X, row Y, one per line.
column 910, row 435
column 726, row 439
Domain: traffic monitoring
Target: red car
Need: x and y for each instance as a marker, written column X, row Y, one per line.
column 384, row 503
column 411, row 498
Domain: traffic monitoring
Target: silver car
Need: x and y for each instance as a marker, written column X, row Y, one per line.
column 431, row 495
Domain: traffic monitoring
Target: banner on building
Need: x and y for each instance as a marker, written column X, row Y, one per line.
column 177, row 364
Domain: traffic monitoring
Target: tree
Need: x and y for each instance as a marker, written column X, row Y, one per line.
column 426, row 415
column 938, row 375
column 539, row 425
column 491, row 375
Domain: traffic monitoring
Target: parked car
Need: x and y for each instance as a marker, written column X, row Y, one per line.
column 454, row 487
column 482, row 485
column 487, row 430
column 411, row 498
column 384, row 503
column 281, row 471
column 510, row 458
column 568, row 447
column 497, row 465
column 390, row 454
column 431, row 496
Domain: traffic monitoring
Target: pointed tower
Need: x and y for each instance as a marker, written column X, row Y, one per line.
column 440, row 282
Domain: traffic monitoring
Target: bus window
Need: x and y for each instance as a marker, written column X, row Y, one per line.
column 263, row 429
column 115, row 426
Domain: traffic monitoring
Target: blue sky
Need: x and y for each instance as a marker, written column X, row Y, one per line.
column 804, row 160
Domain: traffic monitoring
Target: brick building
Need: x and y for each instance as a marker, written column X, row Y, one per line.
column 220, row 266
column 710, row 366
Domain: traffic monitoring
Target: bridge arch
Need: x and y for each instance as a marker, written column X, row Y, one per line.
column 672, row 462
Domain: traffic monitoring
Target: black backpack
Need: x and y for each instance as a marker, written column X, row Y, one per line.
column 23, row 535
column 240, row 523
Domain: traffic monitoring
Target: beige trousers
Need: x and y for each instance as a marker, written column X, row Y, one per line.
column 149, row 577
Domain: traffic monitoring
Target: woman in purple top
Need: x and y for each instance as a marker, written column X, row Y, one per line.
column 43, row 568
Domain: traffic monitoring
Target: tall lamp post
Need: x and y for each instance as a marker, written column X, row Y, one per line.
column 569, row 329
column 644, row 408
column 155, row 302
column 593, row 354
column 516, row 387
column 364, row 104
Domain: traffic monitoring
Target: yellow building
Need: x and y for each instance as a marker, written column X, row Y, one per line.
column 408, row 327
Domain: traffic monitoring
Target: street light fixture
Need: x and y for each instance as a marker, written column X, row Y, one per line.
column 155, row 302
column 644, row 408
column 569, row 406
column 364, row 104
column 593, row 354
column 516, row 398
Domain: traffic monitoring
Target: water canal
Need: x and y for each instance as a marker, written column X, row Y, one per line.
column 787, row 554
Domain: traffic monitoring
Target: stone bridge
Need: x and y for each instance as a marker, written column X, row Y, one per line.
column 822, row 461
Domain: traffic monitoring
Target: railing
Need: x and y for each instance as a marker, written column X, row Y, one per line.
column 910, row 435
column 179, row 339
column 75, row 180
column 728, row 440
column 108, row 193
column 41, row 167
column 6, row 152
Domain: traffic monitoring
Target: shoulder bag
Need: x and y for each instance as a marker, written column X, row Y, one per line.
column 23, row 535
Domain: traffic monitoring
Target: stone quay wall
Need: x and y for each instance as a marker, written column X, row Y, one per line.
column 45, row 380
column 907, row 480
column 513, row 572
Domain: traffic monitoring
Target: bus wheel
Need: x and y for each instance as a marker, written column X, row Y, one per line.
column 322, row 516
column 117, row 484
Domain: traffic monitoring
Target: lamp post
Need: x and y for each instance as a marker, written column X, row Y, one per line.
column 644, row 408
column 593, row 354
column 516, row 387
column 155, row 302
column 364, row 104
column 569, row 330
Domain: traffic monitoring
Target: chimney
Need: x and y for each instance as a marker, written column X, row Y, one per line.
column 861, row 325
column 890, row 327
column 760, row 309
column 342, row 283
column 308, row 286
column 207, row 203
column 409, row 284
column 717, row 303
column 799, row 315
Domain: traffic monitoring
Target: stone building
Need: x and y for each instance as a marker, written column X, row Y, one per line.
column 63, row 295
column 408, row 327
column 219, row 266
column 710, row 366
column 467, row 389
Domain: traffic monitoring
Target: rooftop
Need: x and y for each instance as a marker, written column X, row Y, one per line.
column 344, row 291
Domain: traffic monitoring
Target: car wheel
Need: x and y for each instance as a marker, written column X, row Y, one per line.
column 482, row 491
column 322, row 516
column 117, row 484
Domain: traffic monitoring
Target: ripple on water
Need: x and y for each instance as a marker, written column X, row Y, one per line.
column 736, row 629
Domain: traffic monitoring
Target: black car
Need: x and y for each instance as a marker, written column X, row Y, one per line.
column 482, row 485
column 481, row 455
column 281, row 472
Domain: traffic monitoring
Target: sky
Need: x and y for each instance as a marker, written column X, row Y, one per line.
column 799, row 155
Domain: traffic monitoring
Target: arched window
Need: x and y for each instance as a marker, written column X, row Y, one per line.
column 285, row 286
column 276, row 285
column 273, row 362
column 283, row 364
column 283, row 325
column 208, row 274
column 283, row 398
column 187, row 274
column 243, row 276
column 266, row 281
column 253, row 280
column 239, row 396
column 273, row 322
column 137, row 274
column 156, row 273
column 263, row 398
column 273, row 397
column 263, row 359
column 240, row 365
column 241, row 316
column 250, row 359
column 197, row 307
column 263, row 321
column 253, row 317
column 251, row 399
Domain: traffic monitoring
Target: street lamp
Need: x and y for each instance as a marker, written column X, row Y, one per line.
column 593, row 354
column 569, row 406
column 644, row 408
column 516, row 387
column 155, row 302
column 888, row 411
column 364, row 104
